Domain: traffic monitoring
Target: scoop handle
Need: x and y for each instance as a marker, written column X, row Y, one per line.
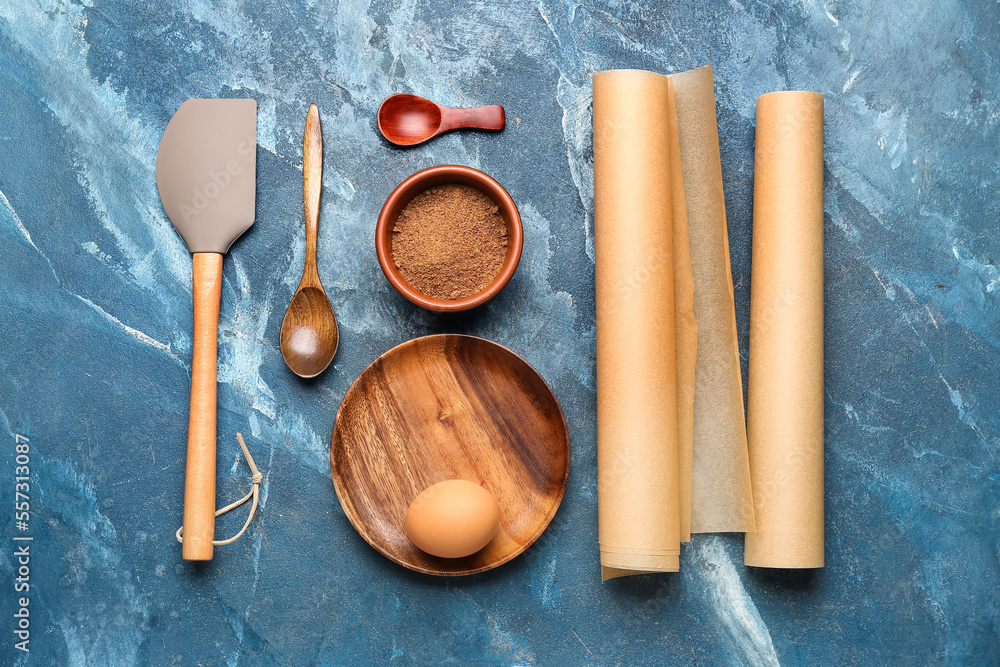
column 199, row 479
column 489, row 117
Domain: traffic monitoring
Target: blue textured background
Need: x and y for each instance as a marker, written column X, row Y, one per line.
column 96, row 298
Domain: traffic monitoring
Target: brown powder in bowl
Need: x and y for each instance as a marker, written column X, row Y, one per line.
column 450, row 241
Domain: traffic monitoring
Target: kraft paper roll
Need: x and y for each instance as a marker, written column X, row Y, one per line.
column 672, row 452
column 637, row 434
column 785, row 403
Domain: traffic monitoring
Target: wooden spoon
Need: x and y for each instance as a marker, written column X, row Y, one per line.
column 406, row 120
column 309, row 335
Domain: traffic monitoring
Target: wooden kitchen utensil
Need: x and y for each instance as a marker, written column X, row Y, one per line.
column 309, row 334
column 449, row 407
column 206, row 174
column 406, row 120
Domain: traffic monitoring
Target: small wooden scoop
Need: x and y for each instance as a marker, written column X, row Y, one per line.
column 206, row 173
column 406, row 120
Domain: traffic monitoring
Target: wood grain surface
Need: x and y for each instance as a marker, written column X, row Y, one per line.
column 199, row 478
column 309, row 334
column 406, row 120
column 444, row 407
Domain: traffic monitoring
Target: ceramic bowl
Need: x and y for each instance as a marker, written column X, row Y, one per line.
column 428, row 178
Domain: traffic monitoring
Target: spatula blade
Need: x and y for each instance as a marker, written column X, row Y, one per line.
column 206, row 171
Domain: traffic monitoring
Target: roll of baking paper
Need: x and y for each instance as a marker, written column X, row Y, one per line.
column 638, row 479
column 672, row 452
column 785, row 403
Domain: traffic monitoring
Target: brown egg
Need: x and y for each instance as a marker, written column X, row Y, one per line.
column 452, row 519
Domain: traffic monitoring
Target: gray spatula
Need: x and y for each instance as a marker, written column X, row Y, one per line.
column 206, row 173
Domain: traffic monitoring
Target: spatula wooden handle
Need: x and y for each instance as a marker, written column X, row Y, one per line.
column 199, row 480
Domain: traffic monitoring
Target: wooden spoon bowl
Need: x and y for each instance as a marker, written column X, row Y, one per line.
column 309, row 334
column 449, row 407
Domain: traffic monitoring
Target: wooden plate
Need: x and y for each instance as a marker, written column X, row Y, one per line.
column 445, row 407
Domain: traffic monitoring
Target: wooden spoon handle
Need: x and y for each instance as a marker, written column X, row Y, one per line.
column 312, row 186
column 490, row 117
column 199, row 480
